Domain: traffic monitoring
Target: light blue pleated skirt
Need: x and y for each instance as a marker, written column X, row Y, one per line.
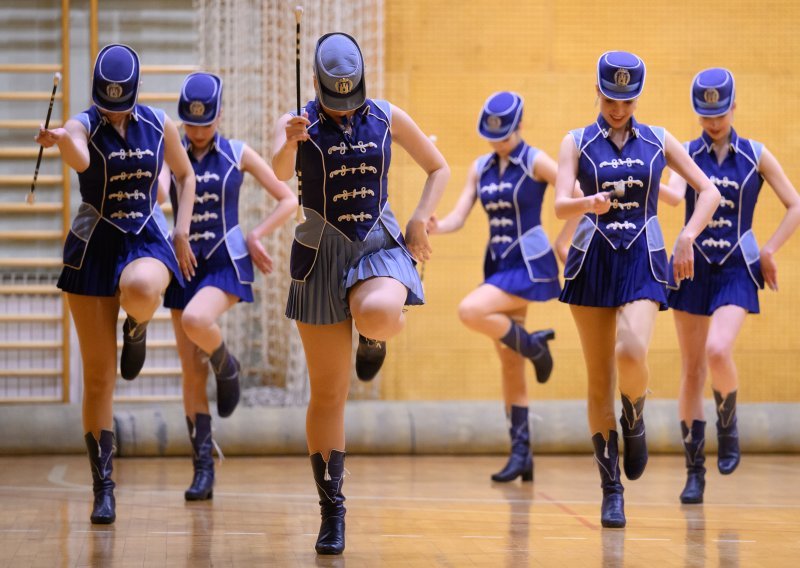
column 321, row 299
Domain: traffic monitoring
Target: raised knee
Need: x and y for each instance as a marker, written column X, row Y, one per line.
column 377, row 320
column 137, row 288
column 470, row 313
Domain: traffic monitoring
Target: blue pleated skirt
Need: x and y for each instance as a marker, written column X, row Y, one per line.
column 611, row 278
column 714, row 286
column 512, row 275
column 217, row 271
column 107, row 252
column 341, row 264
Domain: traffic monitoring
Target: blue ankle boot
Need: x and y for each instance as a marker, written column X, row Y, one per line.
column 635, row 451
column 329, row 477
column 226, row 371
column 533, row 346
column 694, row 441
column 202, row 487
column 369, row 357
column 134, row 348
column 728, row 454
column 520, row 462
column 101, row 456
column 606, row 454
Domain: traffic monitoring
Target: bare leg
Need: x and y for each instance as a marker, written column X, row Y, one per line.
column 96, row 322
column 726, row 323
column 377, row 307
column 486, row 308
column 597, row 330
column 328, row 352
column 141, row 285
column 634, row 329
column 201, row 314
column 512, row 364
column 692, row 333
column 195, row 370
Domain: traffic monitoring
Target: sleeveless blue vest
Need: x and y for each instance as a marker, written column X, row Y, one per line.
column 121, row 182
column 739, row 183
column 637, row 168
column 215, row 216
column 513, row 203
column 344, row 180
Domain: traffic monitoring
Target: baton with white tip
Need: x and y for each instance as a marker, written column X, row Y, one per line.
column 56, row 79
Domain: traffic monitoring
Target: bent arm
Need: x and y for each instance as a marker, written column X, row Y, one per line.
column 454, row 220
column 72, row 141
column 680, row 162
column 178, row 162
column 256, row 166
column 773, row 173
column 673, row 192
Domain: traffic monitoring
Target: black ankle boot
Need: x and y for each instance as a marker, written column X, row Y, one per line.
column 694, row 442
column 329, row 477
column 635, row 450
column 226, row 370
column 728, row 454
column 533, row 346
column 202, row 487
column 369, row 357
column 520, row 462
column 101, row 459
column 606, row 454
column 134, row 348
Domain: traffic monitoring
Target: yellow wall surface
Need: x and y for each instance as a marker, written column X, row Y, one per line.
column 444, row 58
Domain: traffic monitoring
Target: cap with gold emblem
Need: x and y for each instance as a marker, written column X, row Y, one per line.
column 713, row 92
column 620, row 75
column 339, row 68
column 201, row 99
column 500, row 115
column 115, row 80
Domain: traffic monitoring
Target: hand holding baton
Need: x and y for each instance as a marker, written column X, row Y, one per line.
column 56, row 79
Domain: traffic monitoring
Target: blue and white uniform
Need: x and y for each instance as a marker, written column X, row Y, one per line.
column 119, row 219
column 519, row 259
column 618, row 257
column 727, row 266
column 350, row 233
column 214, row 234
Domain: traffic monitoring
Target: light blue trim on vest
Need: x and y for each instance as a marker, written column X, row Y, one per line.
column 385, row 107
column 577, row 136
column 535, row 244
column 83, row 227
column 758, row 148
column 751, row 253
column 584, row 233
column 237, row 147
column 661, row 134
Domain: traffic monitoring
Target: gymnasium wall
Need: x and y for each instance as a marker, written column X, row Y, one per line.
column 444, row 58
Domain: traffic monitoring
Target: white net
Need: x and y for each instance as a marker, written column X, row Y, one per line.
column 251, row 44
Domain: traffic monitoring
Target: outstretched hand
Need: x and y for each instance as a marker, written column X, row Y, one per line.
column 297, row 129
column 49, row 138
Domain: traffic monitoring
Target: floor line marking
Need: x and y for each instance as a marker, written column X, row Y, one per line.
column 731, row 540
column 565, row 538
column 648, row 539
column 482, row 537
column 246, row 533
column 585, row 522
column 402, row 535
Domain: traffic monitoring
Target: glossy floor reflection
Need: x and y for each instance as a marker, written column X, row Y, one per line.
column 402, row 511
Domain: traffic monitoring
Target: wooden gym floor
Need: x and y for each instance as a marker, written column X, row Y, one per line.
column 402, row 511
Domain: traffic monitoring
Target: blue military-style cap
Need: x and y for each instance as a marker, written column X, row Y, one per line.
column 500, row 116
column 339, row 68
column 201, row 99
column 115, row 80
column 620, row 75
column 713, row 92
